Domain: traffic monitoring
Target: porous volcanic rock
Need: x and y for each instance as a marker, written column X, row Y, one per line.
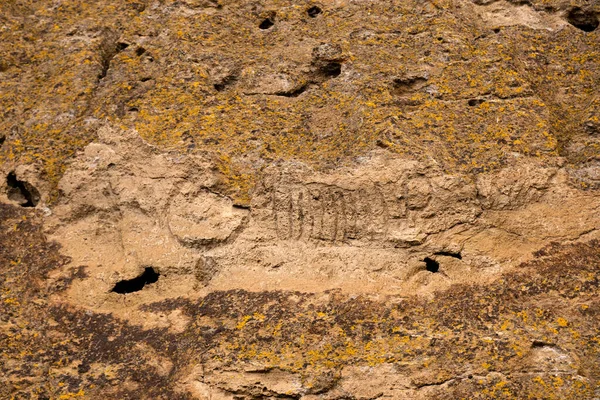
column 315, row 200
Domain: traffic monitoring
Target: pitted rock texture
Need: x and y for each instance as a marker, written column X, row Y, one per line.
column 217, row 199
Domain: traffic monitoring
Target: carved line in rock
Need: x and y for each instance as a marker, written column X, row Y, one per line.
column 329, row 213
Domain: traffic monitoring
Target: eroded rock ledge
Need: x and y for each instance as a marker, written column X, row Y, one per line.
column 531, row 332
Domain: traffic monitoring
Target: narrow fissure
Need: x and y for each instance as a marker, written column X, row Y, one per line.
column 136, row 284
column 108, row 51
column 293, row 93
column 449, row 254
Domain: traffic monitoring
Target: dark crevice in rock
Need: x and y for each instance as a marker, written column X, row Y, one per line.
column 140, row 51
column 122, row 46
column 539, row 343
column 586, row 20
column 449, row 254
column 22, row 192
column 2, row 140
column 267, row 23
column 225, row 83
column 331, row 69
column 475, row 102
column 431, row 265
column 314, row 11
column 294, row 92
column 108, row 50
column 136, row 284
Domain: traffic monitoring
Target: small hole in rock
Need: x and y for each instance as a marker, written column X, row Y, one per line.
column 146, row 79
column 539, row 343
column 332, row 69
column 314, row 11
column 2, row 140
column 21, row 192
column 496, row 30
column 266, row 24
column 136, row 284
column 431, row 265
column 475, row 102
column 140, row 51
column 587, row 21
column 122, row 46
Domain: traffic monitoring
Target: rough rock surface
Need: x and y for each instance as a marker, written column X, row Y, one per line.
column 345, row 199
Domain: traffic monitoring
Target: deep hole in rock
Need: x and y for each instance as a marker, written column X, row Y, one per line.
column 431, row 265
column 331, row 70
column 122, row 46
column 587, row 21
column 496, row 30
column 22, row 192
column 449, row 254
column 145, row 79
column 2, row 140
column 266, row 24
column 314, row 11
column 136, row 284
column 140, row 51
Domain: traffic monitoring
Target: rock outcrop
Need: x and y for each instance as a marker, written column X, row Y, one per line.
column 350, row 199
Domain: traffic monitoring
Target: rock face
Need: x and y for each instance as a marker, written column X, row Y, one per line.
column 295, row 199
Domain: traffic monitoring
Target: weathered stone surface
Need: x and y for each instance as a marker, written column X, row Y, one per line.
column 289, row 199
